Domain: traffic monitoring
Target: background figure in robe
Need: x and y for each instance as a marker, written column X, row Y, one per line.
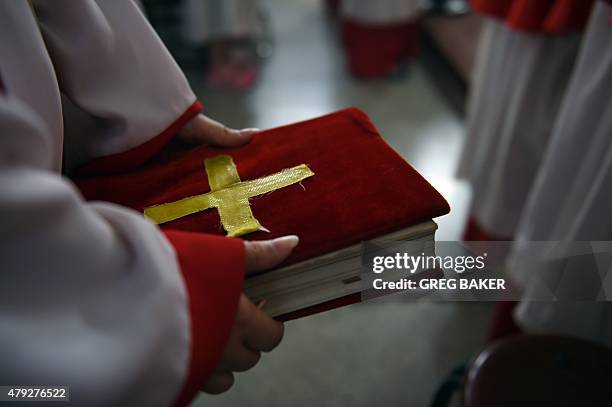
column 571, row 196
column 227, row 30
column 524, row 64
column 379, row 36
column 539, row 148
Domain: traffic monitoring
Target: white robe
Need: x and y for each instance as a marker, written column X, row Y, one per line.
column 518, row 85
column 208, row 20
column 91, row 293
column 380, row 12
column 571, row 196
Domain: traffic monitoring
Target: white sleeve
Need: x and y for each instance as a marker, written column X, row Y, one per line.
column 112, row 66
column 91, row 294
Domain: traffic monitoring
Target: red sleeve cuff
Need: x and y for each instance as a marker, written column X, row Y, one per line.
column 135, row 157
column 213, row 269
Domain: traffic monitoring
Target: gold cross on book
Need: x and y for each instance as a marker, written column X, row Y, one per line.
column 229, row 195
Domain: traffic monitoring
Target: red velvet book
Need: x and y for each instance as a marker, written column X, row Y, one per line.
column 333, row 181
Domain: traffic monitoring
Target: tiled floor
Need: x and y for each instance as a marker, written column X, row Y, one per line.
column 385, row 354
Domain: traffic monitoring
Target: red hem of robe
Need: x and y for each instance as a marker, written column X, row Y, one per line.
column 502, row 322
column 374, row 51
column 475, row 233
column 545, row 17
column 137, row 156
column 213, row 270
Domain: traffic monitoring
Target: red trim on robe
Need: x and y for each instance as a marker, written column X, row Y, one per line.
column 213, row 270
column 374, row 51
column 135, row 157
column 502, row 323
column 542, row 16
column 475, row 233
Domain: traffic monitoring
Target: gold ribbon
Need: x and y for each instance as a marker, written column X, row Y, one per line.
column 229, row 195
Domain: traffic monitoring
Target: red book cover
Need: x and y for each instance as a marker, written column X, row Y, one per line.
column 361, row 188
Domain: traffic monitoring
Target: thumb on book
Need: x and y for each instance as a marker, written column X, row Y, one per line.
column 204, row 130
column 265, row 254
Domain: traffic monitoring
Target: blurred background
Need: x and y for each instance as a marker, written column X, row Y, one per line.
column 290, row 60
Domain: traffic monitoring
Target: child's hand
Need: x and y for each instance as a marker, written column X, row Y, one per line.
column 204, row 130
column 254, row 331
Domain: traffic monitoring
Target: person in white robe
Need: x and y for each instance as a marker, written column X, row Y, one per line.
column 519, row 81
column 379, row 36
column 207, row 20
column 571, row 197
column 229, row 29
column 93, row 296
column 538, row 156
